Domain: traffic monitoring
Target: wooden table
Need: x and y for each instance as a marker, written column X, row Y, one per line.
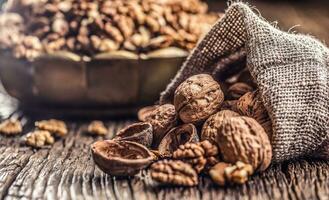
column 66, row 171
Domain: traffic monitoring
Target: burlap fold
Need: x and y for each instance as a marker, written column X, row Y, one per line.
column 291, row 71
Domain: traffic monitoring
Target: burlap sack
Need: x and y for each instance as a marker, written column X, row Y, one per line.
column 291, row 71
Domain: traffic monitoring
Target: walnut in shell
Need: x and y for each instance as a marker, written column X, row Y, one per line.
column 238, row 89
column 11, row 127
column 141, row 133
column 143, row 113
column 97, row 128
column 176, row 137
column 55, row 126
column 121, row 158
column 197, row 98
column 252, row 106
column 39, row 138
column 174, row 172
column 244, row 139
column 211, row 126
column 162, row 118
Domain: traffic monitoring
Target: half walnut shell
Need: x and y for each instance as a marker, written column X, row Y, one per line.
column 121, row 158
column 141, row 133
column 176, row 137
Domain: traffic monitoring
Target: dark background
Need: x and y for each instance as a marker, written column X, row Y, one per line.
column 306, row 16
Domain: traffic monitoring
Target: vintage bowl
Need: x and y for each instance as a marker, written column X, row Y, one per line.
column 117, row 79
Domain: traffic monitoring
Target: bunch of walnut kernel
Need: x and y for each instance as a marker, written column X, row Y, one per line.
column 30, row 28
column 223, row 133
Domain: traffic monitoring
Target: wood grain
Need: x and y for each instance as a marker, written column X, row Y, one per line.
column 66, row 171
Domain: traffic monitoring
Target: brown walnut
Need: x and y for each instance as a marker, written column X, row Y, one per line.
column 197, row 98
column 252, row 106
column 174, row 172
column 121, row 158
column 11, row 127
column 225, row 173
column 143, row 113
column 97, row 128
column 193, row 154
column 176, row 137
column 141, row 133
column 162, row 119
column 238, row 89
column 212, row 125
column 55, row 126
column 39, row 138
column 244, row 139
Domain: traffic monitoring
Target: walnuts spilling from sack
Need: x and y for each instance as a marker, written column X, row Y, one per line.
column 234, row 142
column 30, row 28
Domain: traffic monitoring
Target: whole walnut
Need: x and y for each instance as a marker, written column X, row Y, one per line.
column 252, row 106
column 212, row 125
column 162, row 118
column 238, row 89
column 197, row 98
column 244, row 139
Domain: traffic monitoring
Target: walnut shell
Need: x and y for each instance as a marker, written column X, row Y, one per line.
column 176, row 137
column 162, row 119
column 141, row 133
column 197, row 98
column 121, row 158
column 143, row 113
column 212, row 125
column 238, row 89
column 252, row 106
column 244, row 139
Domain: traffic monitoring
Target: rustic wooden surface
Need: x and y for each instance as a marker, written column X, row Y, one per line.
column 66, row 171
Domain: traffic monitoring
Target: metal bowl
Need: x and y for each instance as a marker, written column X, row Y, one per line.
column 116, row 79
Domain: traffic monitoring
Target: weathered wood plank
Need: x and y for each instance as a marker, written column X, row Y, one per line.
column 66, row 171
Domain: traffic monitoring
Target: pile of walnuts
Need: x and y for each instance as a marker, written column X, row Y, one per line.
column 224, row 133
column 87, row 27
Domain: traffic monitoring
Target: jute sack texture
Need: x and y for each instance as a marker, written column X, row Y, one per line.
column 291, row 71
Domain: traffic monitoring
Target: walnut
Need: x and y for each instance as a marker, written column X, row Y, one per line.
column 239, row 172
column 174, row 172
column 162, row 118
column 57, row 127
column 238, row 89
column 143, row 113
column 176, row 137
column 97, row 128
column 11, row 127
column 252, row 106
column 225, row 173
column 217, row 173
column 193, row 154
column 120, row 157
column 197, row 98
column 212, row 125
column 244, row 139
column 39, row 138
column 118, row 23
column 141, row 133
column 209, row 148
column 199, row 155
